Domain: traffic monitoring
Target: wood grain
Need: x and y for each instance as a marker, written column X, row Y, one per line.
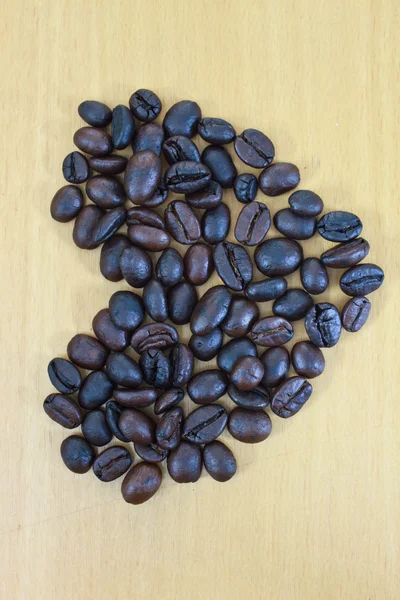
column 314, row 511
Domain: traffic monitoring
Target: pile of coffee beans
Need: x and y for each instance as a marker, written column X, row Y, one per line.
column 128, row 382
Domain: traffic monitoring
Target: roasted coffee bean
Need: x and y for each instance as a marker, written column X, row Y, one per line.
column 204, row 424
column 206, row 347
column 85, row 225
column 108, row 225
column 290, row 396
column 182, row 362
column 314, row 276
column 95, row 390
column 267, row 289
column 95, row 428
column 293, row 305
column 168, row 432
column 77, row 454
column 210, row 310
column 293, row 226
column 75, row 168
column 151, row 453
column 254, row 399
column 253, row 224
column 63, row 410
column 323, row 325
column 279, row 178
column 221, row 166
column 271, row 331
column 159, row 196
column 145, row 105
column 355, row 313
column 361, row 280
column 187, row 177
column 123, row 370
column 126, row 310
column 87, row 352
column 148, row 137
column 137, row 427
column 242, row 314
column 113, row 413
column 184, row 463
column 122, row 127
column 154, row 335
column 216, row 131
column 136, row 266
column 168, row 400
column 66, row 204
column 307, row 360
column 234, row 350
column 198, row 263
column 247, row 373
column 278, row 256
column 206, row 387
column 219, row 461
column 249, row 426
column 108, row 165
column 179, row 148
column 112, row 463
column 141, row 215
column 276, row 366
column 140, row 398
column 108, row 333
column 148, row 237
column 169, row 267
column 95, row 113
column 182, row 298
column 245, row 187
column 181, row 222
column 155, row 301
column 208, row 197
column 254, row 148
column 65, row 377
column 215, row 224
column 339, row 226
column 182, row 119
column 141, row 483
column 110, row 254
column 95, row 142
column 142, row 176
column 346, row 255
column 105, row 191
column 233, row 265
column 306, row 203
column 156, row 368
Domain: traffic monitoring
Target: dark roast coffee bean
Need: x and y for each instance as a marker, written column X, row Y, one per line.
column 126, row 310
column 93, row 141
column 184, row 463
column 75, row 168
column 95, row 113
column 169, row 267
column 105, row 191
column 95, row 428
column 355, row 313
column 346, row 255
column 307, row 360
column 85, row 225
column 267, row 289
column 63, row 410
column 323, row 325
column 206, row 347
column 181, row 222
column 168, row 400
column 112, row 463
column 142, row 176
column 254, row 399
column 242, row 314
column 293, row 226
column 145, row 105
column 141, row 483
column 113, row 413
column 141, row 215
column 87, row 352
column 276, row 366
column 208, row 197
column 108, row 165
column 108, row 333
column 290, row 396
column 137, row 427
column 216, row 131
column 136, row 266
column 151, row 453
column 361, row 280
column 272, row 331
column 206, row 387
column 253, row 224
column 95, row 390
column 179, row 148
column 339, row 226
column 293, row 305
column 306, row 203
column 182, row 119
column 182, row 362
column 108, row 225
column 148, row 137
column 168, row 432
column 154, row 335
column 220, row 163
column 140, row 398
column 278, row 256
column 77, row 454
column 314, row 276
column 249, row 426
column 66, row 204
column 215, row 224
column 110, row 255
column 156, row 368
column 204, row 424
column 155, row 301
column 210, row 310
column 65, row 377
column 198, row 263
column 247, row 373
column 148, row 237
column 182, row 298
column 219, row 461
column 245, row 187
column 254, row 148
column 123, row 370
column 279, row 178
column 234, row 350
column 187, row 177
column 122, row 127
column 159, row 196
column 233, row 265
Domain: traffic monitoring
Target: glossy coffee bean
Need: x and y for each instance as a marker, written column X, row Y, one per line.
column 234, row 265
column 142, row 215
column 181, row 222
column 156, row 368
column 234, row 350
column 95, row 390
column 209, row 196
column 293, row 226
column 277, row 257
column 242, row 314
column 255, row 399
column 104, row 328
column 245, row 187
column 77, row 454
column 305, row 203
column 110, row 254
column 215, row 224
column 184, row 463
column 290, row 396
column 139, row 398
column 323, row 325
column 142, row 176
column 85, row 226
column 279, row 178
column 254, row 148
column 136, row 266
column 87, row 352
column 271, row 331
column 75, row 168
column 182, row 298
column 293, row 305
column 105, row 191
column 307, row 360
column 182, row 119
column 141, row 483
column 95, row 142
column 206, row 387
column 276, row 364
column 151, row 453
column 314, row 276
column 339, row 226
column 221, row 166
column 148, row 137
column 168, row 431
column 216, row 131
column 155, row 301
column 95, row 428
column 346, row 254
column 149, row 238
column 66, row 204
column 204, row 424
column 123, row 370
column 206, row 347
column 168, row 400
column 108, row 165
column 355, row 313
column 247, row 373
column 249, row 426
column 169, row 267
column 179, row 148
column 137, row 427
column 187, row 177
column 65, row 377
column 145, row 105
column 122, row 127
column 113, row 413
column 210, row 310
column 219, row 461
column 95, row 113
column 198, row 263
column 154, row 335
column 361, row 280
column 159, row 196
column 182, row 363
column 63, row 410
column 253, row 224
column 126, row 310
column 112, row 463
column 108, row 225
column 265, row 290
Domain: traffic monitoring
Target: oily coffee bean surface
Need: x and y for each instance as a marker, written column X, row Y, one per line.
column 233, row 264
column 137, row 398
column 323, row 325
column 187, row 177
column 110, row 256
column 339, row 226
column 346, row 254
column 198, row 263
column 179, row 148
column 91, row 140
column 255, row 399
column 149, row 137
column 233, row 350
column 168, row 431
column 215, row 224
column 182, row 118
column 126, row 310
column 306, row 203
column 105, row 191
column 279, row 178
column 95, row 390
column 265, row 290
column 253, row 224
column 77, row 454
column 169, row 267
column 293, row 305
column 290, row 396
column 151, row 453
column 220, row 164
column 104, row 328
column 216, row 131
column 204, row 424
column 75, row 168
column 95, row 113
column 113, row 413
column 63, row 410
column 294, row 226
column 168, row 400
column 206, row 387
column 141, row 483
column 355, row 313
column 241, row 316
column 112, row 463
column 314, row 276
column 209, row 196
column 210, row 310
column 254, row 148
column 307, row 360
column 65, row 377
column 66, row 204
column 184, row 463
column 145, row 105
column 245, row 187
column 95, row 428
column 219, row 461
column 156, row 368
column 206, row 347
column 182, row 298
column 155, row 300
column 122, row 127
column 249, row 426
column 182, row 362
column 271, row 331
column 136, row 266
column 361, row 280
column 87, row 352
column 137, row 427
column 113, row 164
column 278, row 257
column 247, row 372
column 142, row 176
column 182, row 222
column 276, row 364
column 154, row 335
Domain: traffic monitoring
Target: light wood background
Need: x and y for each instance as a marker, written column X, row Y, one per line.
column 314, row 511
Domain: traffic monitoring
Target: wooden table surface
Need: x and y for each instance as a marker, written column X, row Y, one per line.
column 313, row 512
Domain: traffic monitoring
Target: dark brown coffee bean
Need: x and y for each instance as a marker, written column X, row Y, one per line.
column 276, row 364
column 290, row 396
column 112, row 463
column 108, row 333
column 85, row 225
column 206, row 387
column 95, row 390
column 339, row 226
column 245, row 187
column 110, row 254
column 204, row 424
column 142, row 176
column 206, row 347
column 277, row 257
column 307, row 360
column 105, row 191
column 63, row 410
column 182, row 298
column 169, row 267
column 66, row 204
column 75, row 168
column 108, row 165
column 219, row 461
column 187, row 177
column 346, row 255
column 141, row 215
column 151, row 453
column 361, row 280
column 323, row 325
column 216, row 131
column 234, row 350
column 249, row 426
column 141, row 483
column 137, row 427
column 95, row 113
column 182, row 222
column 182, row 119
column 254, row 399
column 113, row 413
column 93, row 141
column 140, row 398
column 156, row 368
column 208, row 197
column 293, row 305
column 355, row 314
column 279, row 178
column 198, row 263
column 65, row 377
column 314, row 276
column 306, row 203
column 149, row 238
column 294, row 226
column 168, row 400
column 184, row 463
column 145, row 105
column 159, row 196
column 155, row 301
column 215, row 224
column 272, row 331
column 179, row 148
column 233, row 265
column 154, row 335
column 95, row 428
column 122, row 127
column 168, row 432
column 126, row 310
column 108, row 225
column 267, row 289
column 210, row 310
column 136, row 266
column 148, row 137
column 221, row 166
column 87, row 352
column 241, row 316
column 253, row 224
column 77, row 454
column 247, row 372
column 182, row 362
column 123, row 370
column 254, row 148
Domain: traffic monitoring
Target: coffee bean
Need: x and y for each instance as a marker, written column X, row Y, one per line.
column 122, row 127
column 219, row 461
column 198, row 263
column 253, row 224
column 293, row 305
column 179, row 148
column 182, row 298
column 276, row 364
column 278, row 256
column 156, row 368
column 241, row 315
column 155, row 301
column 87, row 352
column 168, row 400
column 105, row 191
column 141, row 215
column 77, row 454
column 314, row 276
column 126, row 310
column 66, row 204
column 234, row 350
column 181, row 222
column 182, row 362
column 210, row 310
column 187, row 177
column 247, row 373
column 85, row 225
column 182, row 119
column 168, row 432
column 137, row 427
column 63, row 410
column 159, row 196
column 95, row 113
column 95, row 428
column 123, row 370
column 220, row 163
column 95, row 390
column 355, row 314
column 249, row 426
column 75, row 168
column 112, row 463
column 65, row 377
column 323, row 325
column 110, row 254
column 154, row 335
column 271, row 331
column 169, row 267
column 140, row 398
column 339, row 226
column 204, row 424
column 307, row 360
column 267, row 289
column 148, row 237
column 151, row 453
column 215, row 224
column 108, row 165
column 108, row 225
column 148, row 137
column 245, row 187
column 361, row 280
column 108, row 333
column 136, row 266
column 145, row 105
column 290, row 396
column 141, row 483
column 293, row 226
column 93, row 141
column 142, row 176
column 206, row 347
column 233, row 265
column 346, row 254
column 206, row 387
column 216, row 131
column 253, row 400
column 306, row 203
column 254, row 148
column 209, row 196
column 279, row 178
column 184, row 463
column 113, row 413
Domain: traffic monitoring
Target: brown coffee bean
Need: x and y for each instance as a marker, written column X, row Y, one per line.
column 105, row 191
column 75, row 168
column 355, row 313
column 249, row 426
column 149, row 238
column 66, row 204
column 136, row 266
column 290, row 396
column 141, row 483
column 307, row 360
column 108, row 225
column 254, row 148
column 279, row 178
column 108, row 165
column 168, row 432
column 63, row 410
column 182, row 223
column 247, row 373
column 242, row 314
column 140, row 398
column 108, row 333
column 204, row 424
column 154, row 335
column 93, row 141
column 112, row 463
column 142, row 176
column 137, row 427
column 110, row 255
column 85, row 226
column 272, row 331
column 198, row 263
column 219, row 461
column 184, row 463
column 253, row 224
column 168, row 400
column 87, row 352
